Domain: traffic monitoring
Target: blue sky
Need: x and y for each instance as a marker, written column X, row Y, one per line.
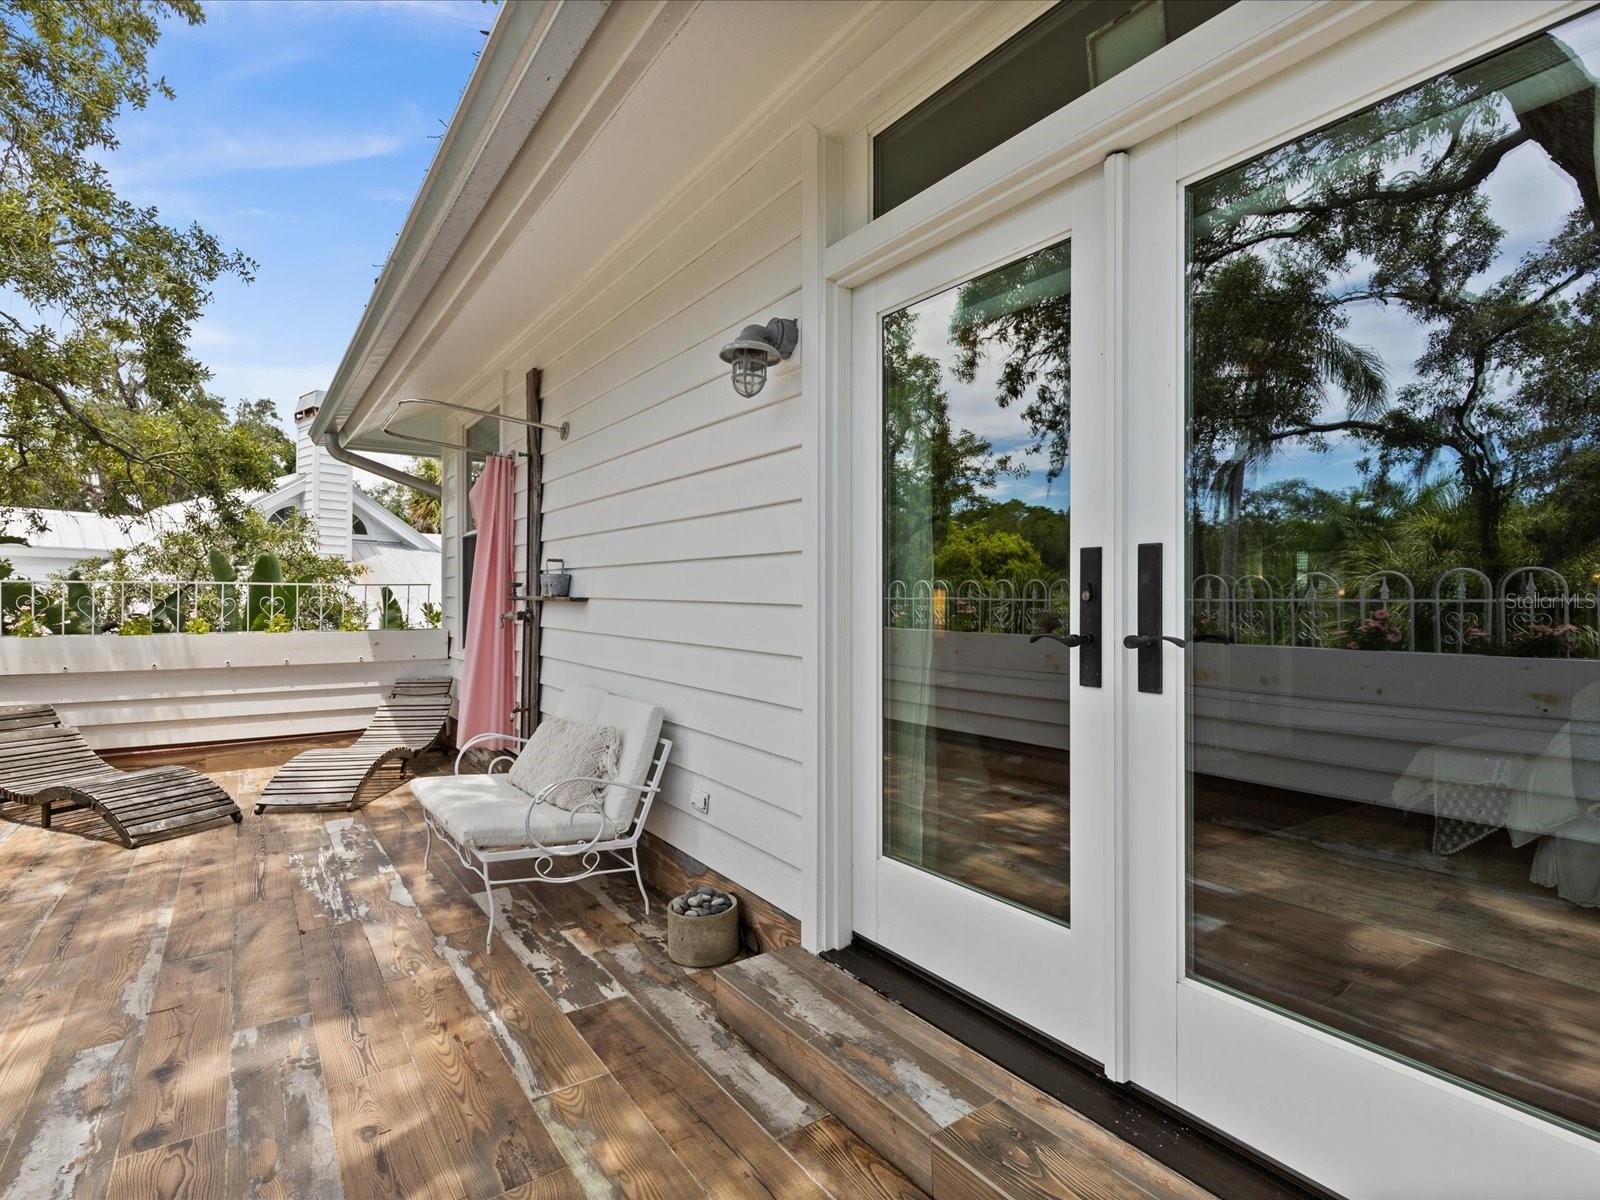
column 299, row 135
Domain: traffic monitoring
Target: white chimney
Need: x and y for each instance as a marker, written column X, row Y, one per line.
column 329, row 482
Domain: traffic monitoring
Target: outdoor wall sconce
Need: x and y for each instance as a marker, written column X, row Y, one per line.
column 755, row 349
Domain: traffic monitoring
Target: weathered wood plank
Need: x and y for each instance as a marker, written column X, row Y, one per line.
column 718, row 1141
column 180, row 1081
column 562, row 1185
column 543, row 1048
column 444, row 901
column 75, row 922
column 388, row 1142
column 573, row 977
column 606, row 1139
column 280, row 1132
column 357, row 1031
column 401, row 939
column 846, row 1165
column 321, row 898
column 192, row 1169
column 1048, row 1112
column 66, row 1142
column 497, row 1141
column 664, row 990
column 269, row 979
column 120, row 976
column 33, row 1005
column 890, row 1093
column 997, row 1151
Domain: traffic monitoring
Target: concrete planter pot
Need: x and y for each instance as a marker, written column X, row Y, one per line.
column 707, row 941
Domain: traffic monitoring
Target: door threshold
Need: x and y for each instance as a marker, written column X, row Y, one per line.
column 1209, row 1158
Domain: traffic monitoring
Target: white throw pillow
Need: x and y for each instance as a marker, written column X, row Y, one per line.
column 562, row 749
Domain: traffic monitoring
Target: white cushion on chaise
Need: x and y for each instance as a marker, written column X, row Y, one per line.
column 489, row 819
column 487, row 812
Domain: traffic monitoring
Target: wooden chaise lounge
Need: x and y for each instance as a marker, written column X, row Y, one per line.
column 45, row 762
column 410, row 720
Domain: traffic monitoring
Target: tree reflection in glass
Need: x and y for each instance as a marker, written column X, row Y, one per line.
column 975, row 562
column 1393, row 493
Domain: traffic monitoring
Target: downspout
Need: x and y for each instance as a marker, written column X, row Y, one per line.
column 330, row 440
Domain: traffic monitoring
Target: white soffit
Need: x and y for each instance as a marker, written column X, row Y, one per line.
column 529, row 52
column 724, row 62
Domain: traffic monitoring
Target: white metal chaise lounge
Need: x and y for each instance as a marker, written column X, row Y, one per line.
column 486, row 819
column 410, row 720
column 43, row 761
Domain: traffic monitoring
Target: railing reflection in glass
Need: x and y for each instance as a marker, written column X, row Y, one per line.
column 1393, row 495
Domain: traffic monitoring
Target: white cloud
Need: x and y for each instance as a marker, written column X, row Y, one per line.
column 389, row 195
column 218, row 151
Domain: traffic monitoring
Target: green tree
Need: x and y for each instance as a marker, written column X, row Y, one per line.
column 974, row 551
column 185, row 552
column 418, row 509
column 931, row 469
column 1024, row 312
column 101, row 403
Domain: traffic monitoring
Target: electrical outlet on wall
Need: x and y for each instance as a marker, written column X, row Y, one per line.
column 700, row 801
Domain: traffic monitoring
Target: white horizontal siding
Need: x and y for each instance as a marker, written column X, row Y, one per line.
column 171, row 689
column 677, row 506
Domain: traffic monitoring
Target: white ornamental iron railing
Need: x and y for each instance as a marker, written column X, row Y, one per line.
column 45, row 607
column 1534, row 609
column 1528, row 608
column 973, row 607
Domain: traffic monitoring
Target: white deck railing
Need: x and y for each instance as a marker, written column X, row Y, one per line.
column 55, row 607
column 1463, row 610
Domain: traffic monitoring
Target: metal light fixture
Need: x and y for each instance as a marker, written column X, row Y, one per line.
column 755, row 349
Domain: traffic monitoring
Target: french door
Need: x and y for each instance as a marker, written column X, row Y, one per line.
column 980, row 839
column 1309, row 387
column 1363, row 842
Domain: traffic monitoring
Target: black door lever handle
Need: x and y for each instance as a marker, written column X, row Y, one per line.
column 1071, row 641
column 1138, row 641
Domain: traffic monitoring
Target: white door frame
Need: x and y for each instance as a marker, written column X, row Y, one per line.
column 1350, row 1117
column 1046, row 975
column 1250, row 41
column 1151, row 1009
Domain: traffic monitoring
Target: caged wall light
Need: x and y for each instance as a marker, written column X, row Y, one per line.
column 755, row 349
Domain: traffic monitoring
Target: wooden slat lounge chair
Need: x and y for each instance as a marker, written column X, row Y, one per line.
column 410, row 720
column 46, row 763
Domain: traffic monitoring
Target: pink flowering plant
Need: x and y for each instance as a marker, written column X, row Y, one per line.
column 1381, row 630
column 1545, row 639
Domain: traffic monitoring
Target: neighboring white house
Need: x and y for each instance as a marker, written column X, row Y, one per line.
column 626, row 187
column 349, row 523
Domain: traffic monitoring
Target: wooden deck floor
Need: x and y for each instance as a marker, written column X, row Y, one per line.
column 293, row 1008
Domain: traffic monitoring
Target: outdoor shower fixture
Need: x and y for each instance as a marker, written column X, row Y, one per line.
column 562, row 429
column 755, row 349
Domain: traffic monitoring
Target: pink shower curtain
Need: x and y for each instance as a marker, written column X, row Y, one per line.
column 486, row 684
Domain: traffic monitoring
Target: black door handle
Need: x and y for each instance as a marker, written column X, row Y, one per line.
column 1071, row 641
column 1149, row 638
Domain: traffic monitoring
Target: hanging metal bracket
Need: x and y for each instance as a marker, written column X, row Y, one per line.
column 562, row 429
column 439, row 444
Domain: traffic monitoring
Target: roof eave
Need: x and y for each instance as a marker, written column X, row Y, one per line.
column 529, row 52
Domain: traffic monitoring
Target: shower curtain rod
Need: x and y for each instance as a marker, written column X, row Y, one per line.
column 432, row 443
column 562, row 429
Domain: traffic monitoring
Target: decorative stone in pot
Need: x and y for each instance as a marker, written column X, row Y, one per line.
column 703, row 927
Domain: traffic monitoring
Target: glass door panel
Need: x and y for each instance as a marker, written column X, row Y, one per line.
column 976, row 552
column 1393, row 499
column 969, row 859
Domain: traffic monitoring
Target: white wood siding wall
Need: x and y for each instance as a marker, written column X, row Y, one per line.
column 677, row 506
column 450, row 526
column 170, row 689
